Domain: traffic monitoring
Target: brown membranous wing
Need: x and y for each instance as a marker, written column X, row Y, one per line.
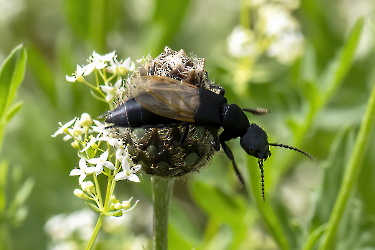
column 166, row 97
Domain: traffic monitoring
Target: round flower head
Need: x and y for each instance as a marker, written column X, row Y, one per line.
column 160, row 150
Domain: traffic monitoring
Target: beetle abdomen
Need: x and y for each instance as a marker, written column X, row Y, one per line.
column 132, row 115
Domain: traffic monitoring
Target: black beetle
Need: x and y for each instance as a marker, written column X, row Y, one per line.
column 160, row 101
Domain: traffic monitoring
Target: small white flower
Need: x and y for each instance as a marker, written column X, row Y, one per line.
column 102, row 162
column 241, row 42
column 276, row 19
column 95, row 57
column 287, row 47
column 99, row 62
column 63, row 128
column 128, row 170
column 121, row 67
column 114, row 142
column 83, row 170
column 92, row 141
column 76, row 131
column 80, row 72
column 110, row 91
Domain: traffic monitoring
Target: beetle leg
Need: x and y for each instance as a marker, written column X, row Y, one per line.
column 184, row 135
column 228, row 152
column 216, row 140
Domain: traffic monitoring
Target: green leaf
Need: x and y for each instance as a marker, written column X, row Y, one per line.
column 184, row 224
column 314, row 237
column 177, row 241
column 336, row 71
column 308, row 67
column 97, row 24
column 43, row 73
column 227, row 208
column 168, row 17
column 4, row 167
column 224, row 207
column 22, row 194
column 351, row 173
column 11, row 75
column 14, row 110
column 78, row 16
column 341, row 147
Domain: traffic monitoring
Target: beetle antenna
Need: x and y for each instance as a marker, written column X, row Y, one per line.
column 292, row 148
column 260, row 163
column 257, row 111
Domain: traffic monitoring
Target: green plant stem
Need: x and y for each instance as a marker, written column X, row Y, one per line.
column 161, row 193
column 96, row 231
column 314, row 237
column 351, row 173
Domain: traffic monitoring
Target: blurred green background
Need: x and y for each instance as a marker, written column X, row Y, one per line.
column 296, row 58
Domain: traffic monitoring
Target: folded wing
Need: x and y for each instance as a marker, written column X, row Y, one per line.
column 166, row 97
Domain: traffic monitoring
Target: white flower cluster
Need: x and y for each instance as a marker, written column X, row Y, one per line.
column 78, row 127
column 98, row 150
column 275, row 33
column 103, row 64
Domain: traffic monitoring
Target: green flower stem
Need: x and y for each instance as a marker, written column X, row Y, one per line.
column 245, row 14
column 98, row 193
column 351, row 173
column 161, row 193
column 96, row 231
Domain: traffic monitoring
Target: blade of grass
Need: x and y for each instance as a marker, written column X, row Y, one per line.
column 351, row 173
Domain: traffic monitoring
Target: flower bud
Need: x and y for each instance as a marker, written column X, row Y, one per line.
column 75, row 144
column 88, row 187
column 113, row 199
column 126, row 204
column 80, row 79
column 79, row 193
column 86, row 120
column 123, row 71
column 118, row 206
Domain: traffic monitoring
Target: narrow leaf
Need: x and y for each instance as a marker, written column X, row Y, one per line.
column 351, row 172
column 22, row 194
column 3, row 183
column 11, row 75
column 43, row 72
column 13, row 111
column 336, row 71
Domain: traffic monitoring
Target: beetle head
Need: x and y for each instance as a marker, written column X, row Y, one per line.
column 255, row 142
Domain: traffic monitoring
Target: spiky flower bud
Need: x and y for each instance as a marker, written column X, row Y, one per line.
column 160, row 151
